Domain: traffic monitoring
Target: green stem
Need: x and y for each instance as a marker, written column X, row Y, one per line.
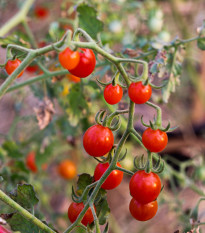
column 16, row 72
column 36, row 79
column 97, row 225
column 24, row 213
column 30, row 34
column 158, row 122
column 16, row 19
column 124, row 170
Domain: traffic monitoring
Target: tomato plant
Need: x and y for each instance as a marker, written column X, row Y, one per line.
column 98, row 140
column 154, row 140
column 139, row 93
column 113, row 94
column 143, row 212
column 113, row 180
column 145, row 187
column 67, row 169
column 11, row 65
column 75, row 209
column 137, row 59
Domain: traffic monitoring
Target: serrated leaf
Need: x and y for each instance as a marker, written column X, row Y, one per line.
column 201, row 43
column 19, row 223
column 88, row 20
column 25, row 196
column 12, row 149
column 83, row 181
column 103, row 211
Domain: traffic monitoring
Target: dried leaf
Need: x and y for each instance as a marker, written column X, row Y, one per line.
column 44, row 112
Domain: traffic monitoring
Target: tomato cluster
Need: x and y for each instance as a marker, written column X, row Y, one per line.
column 80, row 64
column 144, row 188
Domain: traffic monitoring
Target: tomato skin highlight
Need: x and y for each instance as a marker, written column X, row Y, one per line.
column 154, row 140
column 86, row 64
column 69, row 59
column 67, row 169
column 113, row 94
column 98, row 140
column 143, row 212
column 145, row 187
column 75, row 209
column 113, row 180
column 11, row 65
column 139, row 93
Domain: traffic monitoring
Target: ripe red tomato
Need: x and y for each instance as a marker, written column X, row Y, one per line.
column 11, row 65
column 139, row 93
column 3, row 230
column 113, row 94
column 73, row 78
column 143, row 212
column 31, row 162
column 98, row 140
column 32, row 68
column 145, row 187
column 41, row 12
column 67, row 169
column 69, row 59
column 75, row 209
column 113, row 180
column 154, row 140
column 86, row 64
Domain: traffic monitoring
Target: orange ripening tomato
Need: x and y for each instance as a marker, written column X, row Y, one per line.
column 67, row 169
column 73, row 78
column 69, row 59
column 11, row 65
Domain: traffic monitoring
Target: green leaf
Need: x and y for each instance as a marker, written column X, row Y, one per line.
column 153, row 68
column 19, row 223
column 201, row 43
column 103, row 211
column 12, row 149
column 83, row 181
column 88, row 20
column 25, row 196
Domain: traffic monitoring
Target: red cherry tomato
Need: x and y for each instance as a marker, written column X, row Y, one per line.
column 113, row 180
column 32, row 68
column 143, row 212
column 139, row 93
column 75, row 209
column 73, row 78
column 86, row 64
column 3, row 230
column 154, row 140
column 31, row 162
column 113, row 94
column 145, row 187
column 67, row 169
column 11, row 65
column 98, row 140
column 69, row 59
column 41, row 12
